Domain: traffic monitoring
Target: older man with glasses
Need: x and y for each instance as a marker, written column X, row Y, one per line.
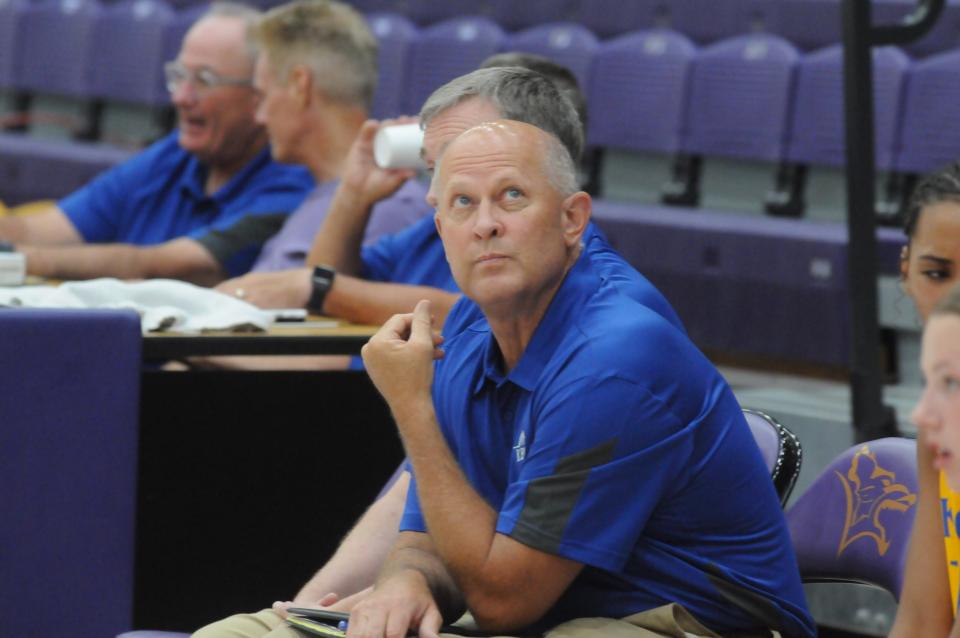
column 196, row 205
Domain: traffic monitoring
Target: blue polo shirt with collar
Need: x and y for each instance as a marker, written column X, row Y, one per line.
column 158, row 195
column 613, row 442
column 412, row 256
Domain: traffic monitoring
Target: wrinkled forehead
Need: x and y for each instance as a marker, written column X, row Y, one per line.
column 491, row 146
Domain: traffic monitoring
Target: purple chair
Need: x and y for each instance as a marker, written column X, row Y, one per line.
column 739, row 98
column 705, row 21
column 736, row 121
column 10, row 16
column 516, row 16
column 609, row 18
column 55, row 42
column 930, row 130
column 817, row 129
column 853, row 523
column 394, row 34
column 814, row 180
column 32, row 169
column 427, row 12
column 445, row 51
column 70, row 382
column 139, row 26
column 809, row 24
column 638, row 91
column 566, row 43
column 780, row 449
column 638, row 95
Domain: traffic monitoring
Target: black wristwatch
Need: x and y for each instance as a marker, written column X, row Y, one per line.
column 321, row 282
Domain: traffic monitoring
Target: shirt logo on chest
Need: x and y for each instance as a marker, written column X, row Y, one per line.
column 520, row 449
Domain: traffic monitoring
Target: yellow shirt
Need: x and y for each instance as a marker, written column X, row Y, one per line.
column 950, row 510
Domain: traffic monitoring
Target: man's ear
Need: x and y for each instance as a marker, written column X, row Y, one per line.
column 576, row 214
column 301, row 84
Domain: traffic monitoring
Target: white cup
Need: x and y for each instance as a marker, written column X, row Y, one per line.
column 398, row 146
column 13, row 269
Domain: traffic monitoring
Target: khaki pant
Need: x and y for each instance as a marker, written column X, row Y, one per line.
column 668, row 621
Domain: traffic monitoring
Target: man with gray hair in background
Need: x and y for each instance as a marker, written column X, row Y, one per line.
column 196, row 205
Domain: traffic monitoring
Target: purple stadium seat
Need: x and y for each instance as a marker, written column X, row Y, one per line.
column 780, row 449
column 638, row 95
column 428, row 12
column 609, row 18
column 809, row 24
column 566, row 43
column 33, row 168
column 69, row 466
column 817, row 130
column 707, row 21
column 739, row 98
column 445, row 51
column 853, row 523
column 54, row 48
column 516, row 16
column 394, row 33
column 10, row 15
column 638, row 89
column 140, row 26
column 930, row 130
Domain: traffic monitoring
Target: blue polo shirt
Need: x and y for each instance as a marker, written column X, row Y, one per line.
column 412, row 256
column 608, row 264
column 158, row 195
column 613, row 442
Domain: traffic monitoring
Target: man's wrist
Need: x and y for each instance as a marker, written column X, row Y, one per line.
column 321, row 281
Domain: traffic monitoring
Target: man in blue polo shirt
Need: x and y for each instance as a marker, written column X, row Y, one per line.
column 198, row 204
column 574, row 455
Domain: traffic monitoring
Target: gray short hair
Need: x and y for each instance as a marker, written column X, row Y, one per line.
column 519, row 94
column 243, row 12
column 558, row 166
column 327, row 37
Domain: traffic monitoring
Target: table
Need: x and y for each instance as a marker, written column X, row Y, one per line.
column 318, row 335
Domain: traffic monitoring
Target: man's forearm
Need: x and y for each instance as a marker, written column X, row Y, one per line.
column 122, row 261
column 372, row 302
column 340, row 237
column 362, row 553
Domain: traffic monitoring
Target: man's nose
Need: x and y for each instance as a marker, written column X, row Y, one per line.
column 922, row 415
column 487, row 221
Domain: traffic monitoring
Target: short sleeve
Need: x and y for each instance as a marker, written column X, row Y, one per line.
column 381, row 257
column 412, row 519
column 96, row 209
column 576, row 494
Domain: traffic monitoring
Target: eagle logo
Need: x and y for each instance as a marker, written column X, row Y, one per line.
column 870, row 490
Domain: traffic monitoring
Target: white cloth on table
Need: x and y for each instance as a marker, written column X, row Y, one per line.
column 163, row 304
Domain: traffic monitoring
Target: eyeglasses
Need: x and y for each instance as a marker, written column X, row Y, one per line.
column 202, row 80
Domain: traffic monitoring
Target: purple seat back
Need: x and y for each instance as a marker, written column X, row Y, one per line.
column 817, row 129
column 10, row 15
column 780, row 449
column 809, row 24
column 638, row 91
column 124, row 27
column 704, row 21
column 853, row 523
column 55, row 42
column 740, row 97
column 428, row 12
column 609, row 18
column 930, row 132
column 394, row 34
column 516, row 16
column 69, row 381
column 566, row 43
column 445, row 51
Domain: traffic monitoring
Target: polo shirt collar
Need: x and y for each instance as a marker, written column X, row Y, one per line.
column 195, row 177
column 578, row 286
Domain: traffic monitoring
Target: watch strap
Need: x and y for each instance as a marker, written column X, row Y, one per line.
column 321, row 281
